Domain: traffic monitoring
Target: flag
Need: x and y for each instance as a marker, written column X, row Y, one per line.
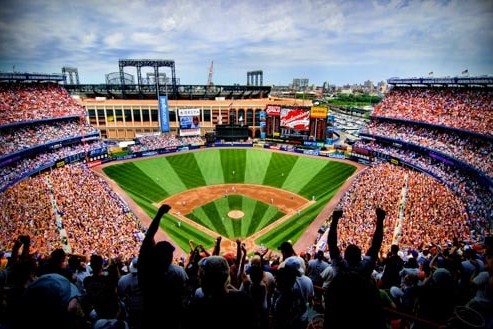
column 465, row 71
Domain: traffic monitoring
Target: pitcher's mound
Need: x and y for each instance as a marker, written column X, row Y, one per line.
column 236, row 214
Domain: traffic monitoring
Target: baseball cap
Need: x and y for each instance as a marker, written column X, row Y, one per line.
column 442, row 276
column 165, row 247
column 293, row 263
column 213, row 265
column 51, row 290
column 213, row 274
column 230, row 257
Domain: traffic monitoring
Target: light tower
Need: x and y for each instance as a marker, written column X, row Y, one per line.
column 209, row 80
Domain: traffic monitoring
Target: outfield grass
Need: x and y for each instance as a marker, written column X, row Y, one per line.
column 151, row 180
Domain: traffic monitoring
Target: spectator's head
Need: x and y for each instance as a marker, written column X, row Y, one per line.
column 54, row 295
column 286, row 249
column 412, row 263
column 285, row 278
column 443, row 278
column 293, row 264
column 352, row 255
column 394, row 249
column 58, row 258
column 320, row 255
column 230, row 257
column 213, row 275
column 256, row 273
column 163, row 253
column 97, row 263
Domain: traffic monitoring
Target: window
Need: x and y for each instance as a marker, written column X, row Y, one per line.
column 137, row 116
column 207, row 115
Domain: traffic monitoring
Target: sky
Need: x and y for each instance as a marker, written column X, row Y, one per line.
column 339, row 42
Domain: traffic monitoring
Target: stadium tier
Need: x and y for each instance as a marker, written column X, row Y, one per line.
column 246, row 176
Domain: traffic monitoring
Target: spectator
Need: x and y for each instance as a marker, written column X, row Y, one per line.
column 289, row 305
column 163, row 284
column 131, row 295
column 220, row 306
column 351, row 290
column 52, row 301
column 287, row 251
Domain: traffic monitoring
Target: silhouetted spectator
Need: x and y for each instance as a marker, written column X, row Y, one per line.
column 221, row 306
column 163, row 284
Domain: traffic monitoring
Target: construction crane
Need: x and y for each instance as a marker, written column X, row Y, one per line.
column 210, row 84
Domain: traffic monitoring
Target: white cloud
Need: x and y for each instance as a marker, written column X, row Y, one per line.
column 336, row 39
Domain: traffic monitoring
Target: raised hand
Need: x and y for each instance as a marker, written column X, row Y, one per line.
column 380, row 213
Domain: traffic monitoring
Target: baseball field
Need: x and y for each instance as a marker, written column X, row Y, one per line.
column 256, row 195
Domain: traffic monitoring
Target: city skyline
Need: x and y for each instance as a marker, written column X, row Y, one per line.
column 341, row 42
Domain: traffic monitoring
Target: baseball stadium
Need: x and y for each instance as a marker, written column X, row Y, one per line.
column 86, row 170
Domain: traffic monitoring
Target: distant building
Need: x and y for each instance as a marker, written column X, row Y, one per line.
column 300, row 84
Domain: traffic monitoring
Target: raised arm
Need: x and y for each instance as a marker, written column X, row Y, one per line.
column 332, row 236
column 151, row 231
column 376, row 242
column 217, row 246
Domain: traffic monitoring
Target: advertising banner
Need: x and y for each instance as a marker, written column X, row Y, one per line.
column 189, row 118
column 189, row 121
column 164, row 113
column 318, row 112
column 295, row 118
column 273, row 110
column 263, row 124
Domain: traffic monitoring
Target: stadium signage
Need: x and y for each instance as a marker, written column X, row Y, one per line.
column 273, row 110
column 318, row 112
column 164, row 113
column 188, row 112
column 295, row 118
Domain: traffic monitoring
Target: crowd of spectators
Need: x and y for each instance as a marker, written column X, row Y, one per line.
column 154, row 142
column 94, row 217
column 418, row 206
column 431, row 221
column 462, row 108
column 476, row 196
column 24, row 102
column 14, row 171
column 19, row 138
column 264, row 292
column 471, row 149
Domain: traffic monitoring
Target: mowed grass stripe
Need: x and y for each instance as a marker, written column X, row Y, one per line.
column 198, row 215
column 209, row 163
column 303, row 171
column 233, row 160
column 187, row 169
column 235, row 202
column 257, row 162
column 163, row 174
column 249, row 205
column 183, row 233
column 132, row 179
column 328, row 179
column 279, row 167
column 259, row 213
column 212, row 212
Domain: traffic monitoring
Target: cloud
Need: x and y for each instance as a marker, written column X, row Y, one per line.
column 329, row 40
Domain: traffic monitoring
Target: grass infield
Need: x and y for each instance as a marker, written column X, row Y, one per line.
column 152, row 180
